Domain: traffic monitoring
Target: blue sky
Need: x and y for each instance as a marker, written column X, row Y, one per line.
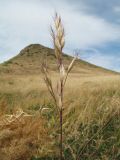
column 92, row 26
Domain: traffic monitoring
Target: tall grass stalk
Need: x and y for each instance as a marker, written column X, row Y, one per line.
column 58, row 37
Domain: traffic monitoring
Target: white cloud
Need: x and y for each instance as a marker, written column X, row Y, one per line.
column 27, row 21
column 85, row 31
column 117, row 9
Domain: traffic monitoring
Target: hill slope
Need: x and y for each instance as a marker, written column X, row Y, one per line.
column 29, row 60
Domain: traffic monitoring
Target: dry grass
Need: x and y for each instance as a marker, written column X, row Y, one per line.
column 57, row 92
column 90, row 102
column 93, row 112
column 22, row 135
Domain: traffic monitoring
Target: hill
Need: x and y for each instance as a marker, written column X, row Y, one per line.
column 29, row 60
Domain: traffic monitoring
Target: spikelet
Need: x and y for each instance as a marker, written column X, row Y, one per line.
column 58, row 36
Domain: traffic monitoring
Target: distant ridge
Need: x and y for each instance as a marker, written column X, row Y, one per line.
column 29, row 61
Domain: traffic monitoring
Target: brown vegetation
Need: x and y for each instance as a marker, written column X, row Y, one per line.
column 90, row 102
column 22, row 135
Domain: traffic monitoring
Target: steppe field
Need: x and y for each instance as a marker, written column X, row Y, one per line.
column 29, row 122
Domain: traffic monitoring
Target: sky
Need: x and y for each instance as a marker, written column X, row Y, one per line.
column 92, row 27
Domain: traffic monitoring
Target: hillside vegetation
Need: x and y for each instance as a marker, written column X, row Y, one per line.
column 29, row 61
column 29, row 125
